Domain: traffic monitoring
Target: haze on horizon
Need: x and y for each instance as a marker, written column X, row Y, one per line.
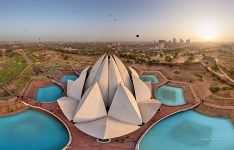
column 108, row 20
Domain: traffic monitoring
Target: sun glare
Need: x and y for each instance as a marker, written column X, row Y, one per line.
column 209, row 32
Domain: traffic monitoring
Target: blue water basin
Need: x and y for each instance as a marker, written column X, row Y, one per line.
column 151, row 78
column 65, row 78
column 190, row 131
column 49, row 93
column 32, row 130
column 169, row 95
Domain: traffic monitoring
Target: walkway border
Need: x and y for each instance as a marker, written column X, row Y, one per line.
column 50, row 113
column 48, row 83
column 139, row 141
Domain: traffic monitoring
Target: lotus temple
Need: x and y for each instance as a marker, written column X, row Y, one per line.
column 112, row 106
column 107, row 97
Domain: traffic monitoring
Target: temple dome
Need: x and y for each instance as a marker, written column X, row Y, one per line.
column 108, row 100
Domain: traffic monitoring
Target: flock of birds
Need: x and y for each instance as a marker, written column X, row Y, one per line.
column 75, row 11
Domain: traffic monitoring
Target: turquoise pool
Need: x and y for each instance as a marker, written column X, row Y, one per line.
column 169, row 95
column 65, row 78
column 49, row 93
column 190, row 131
column 151, row 78
column 32, row 130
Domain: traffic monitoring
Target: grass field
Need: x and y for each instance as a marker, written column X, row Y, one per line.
column 12, row 108
column 29, row 71
column 19, row 84
column 3, row 93
column 12, row 67
column 32, row 56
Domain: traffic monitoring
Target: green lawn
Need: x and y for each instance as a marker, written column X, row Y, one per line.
column 12, row 67
column 29, row 71
column 19, row 84
column 3, row 93
column 32, row 56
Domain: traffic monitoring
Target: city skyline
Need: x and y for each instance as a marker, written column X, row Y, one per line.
column 200, row 21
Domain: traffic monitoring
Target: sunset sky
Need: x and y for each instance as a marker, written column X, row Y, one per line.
column 119, row 20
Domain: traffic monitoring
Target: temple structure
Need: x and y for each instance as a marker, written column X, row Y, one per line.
column 108, row 100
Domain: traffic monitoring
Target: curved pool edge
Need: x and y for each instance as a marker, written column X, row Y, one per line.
column 50, row 113
column 31, row 89
column 14, row 113
column 67, row 72
column 140, row 139
column 55, row 83
column 149, row 77
column 175, row 86
column 34, row 101
column 58, row 84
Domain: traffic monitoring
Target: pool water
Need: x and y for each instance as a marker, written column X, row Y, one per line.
column 65, row 78
column 169, row 95
column 151, row 78
column 49, row 93
column 190, row 131
column 32, row 130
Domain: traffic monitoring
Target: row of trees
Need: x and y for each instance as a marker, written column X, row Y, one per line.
column 146, row 57
column 232, row 72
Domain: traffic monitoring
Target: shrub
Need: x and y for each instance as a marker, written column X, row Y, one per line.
column 161, row 54
column 215, row 67
column 153, row 62
column 168, row 59
column 232, row 72
column 4, row 110
column 176, row 55
column 199, row 75
column 214, row 89
column 191, row 58
column 227, row 88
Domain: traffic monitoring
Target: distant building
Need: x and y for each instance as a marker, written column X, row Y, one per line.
column 162, row 43
column 15, row 46
column 126, row 95
column 188, row 41
column 181, row 41
column 2, row 52
column 208, row 60
column 70, row 49
column 41, row 44
column 20, row 50
column 174, row 40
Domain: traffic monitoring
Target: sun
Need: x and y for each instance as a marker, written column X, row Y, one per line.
column 208, row 32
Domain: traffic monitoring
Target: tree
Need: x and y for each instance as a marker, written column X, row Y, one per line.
column 161, row 54
column 65, row 57
column 153, row 62
column 168, row 59
column 214, row 89
column 176, row 55
column 215, row 67
column 191, row 58
column 232, row 72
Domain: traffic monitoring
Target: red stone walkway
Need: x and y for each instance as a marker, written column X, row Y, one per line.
column 83, row 141
column 218, row 106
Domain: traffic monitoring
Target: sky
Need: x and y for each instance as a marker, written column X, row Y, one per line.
column 116, row 20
